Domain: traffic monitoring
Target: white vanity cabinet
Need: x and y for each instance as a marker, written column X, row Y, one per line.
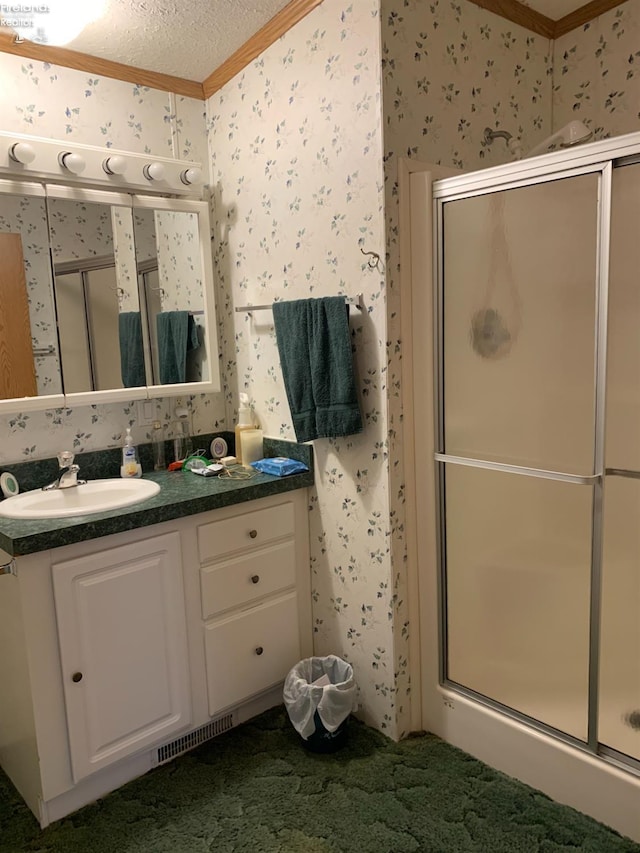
column 121, row 652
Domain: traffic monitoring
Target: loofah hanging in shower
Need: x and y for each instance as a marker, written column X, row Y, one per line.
column 495, row 324
column 632, row 719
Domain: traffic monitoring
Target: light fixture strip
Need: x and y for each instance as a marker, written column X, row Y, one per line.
column 35, row 158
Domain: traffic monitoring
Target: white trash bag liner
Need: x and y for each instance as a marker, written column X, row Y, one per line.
column 333, row 702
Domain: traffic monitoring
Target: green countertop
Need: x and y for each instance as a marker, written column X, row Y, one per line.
column 181, row 494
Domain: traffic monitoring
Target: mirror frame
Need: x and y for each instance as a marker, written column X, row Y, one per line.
column 45, row 191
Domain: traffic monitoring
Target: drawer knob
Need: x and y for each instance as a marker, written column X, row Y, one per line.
column 255, row 578
column 76, row 677
column 259, row 650
column 253, row 533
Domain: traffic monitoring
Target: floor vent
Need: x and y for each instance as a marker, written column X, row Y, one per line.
column 195, row 738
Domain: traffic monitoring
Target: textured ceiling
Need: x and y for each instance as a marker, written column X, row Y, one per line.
column 186, row 38
column 555, row 9
column 192, row 38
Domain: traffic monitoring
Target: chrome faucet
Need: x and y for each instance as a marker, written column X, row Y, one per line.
column 67, row 475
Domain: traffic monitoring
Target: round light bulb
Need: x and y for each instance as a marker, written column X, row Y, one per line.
column 22, row 152
column 191, row 176
column 58, row 21
column 73, row 163
column 115, row 165
column 153, row 171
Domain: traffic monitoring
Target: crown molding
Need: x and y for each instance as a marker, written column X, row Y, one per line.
column 584, row 15
column 295, row 11
column 101, row 67
column 520, row 14
column 281, row 23
column 538, row 23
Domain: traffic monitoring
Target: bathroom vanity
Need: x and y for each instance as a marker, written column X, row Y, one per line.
column 155, row 628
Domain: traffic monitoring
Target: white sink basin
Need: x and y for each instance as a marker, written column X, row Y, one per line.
column 94, row 496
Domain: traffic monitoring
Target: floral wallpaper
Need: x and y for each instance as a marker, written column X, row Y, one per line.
column 296, row 166
column 179, row 266
column 124, row 253
column 597, row 73
column 60, row 103
column 450, row 69
column 45, row 100
column 79, row 230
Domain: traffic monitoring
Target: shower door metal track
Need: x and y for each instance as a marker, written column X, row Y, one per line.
column 596, row 479
column 579, row 479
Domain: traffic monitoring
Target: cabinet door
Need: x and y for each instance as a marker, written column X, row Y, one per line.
column 250, row 652
column 123, row 648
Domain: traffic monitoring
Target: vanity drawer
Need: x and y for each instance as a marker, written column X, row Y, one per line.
column 250, row 652
column 259, row 527
column 244, row 579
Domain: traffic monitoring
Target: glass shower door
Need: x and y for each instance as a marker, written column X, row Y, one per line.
column 517, row 453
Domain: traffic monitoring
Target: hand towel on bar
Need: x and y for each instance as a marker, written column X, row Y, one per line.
column 314, row 343
column 177, row 333
column 131, row 352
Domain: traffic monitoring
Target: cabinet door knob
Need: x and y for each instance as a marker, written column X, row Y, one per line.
column 76, row 677
column 259, row 650
column 253, row 533
column 255, row 578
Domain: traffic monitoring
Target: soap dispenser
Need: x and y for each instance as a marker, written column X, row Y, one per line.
column 130, row 466
column 245, row 421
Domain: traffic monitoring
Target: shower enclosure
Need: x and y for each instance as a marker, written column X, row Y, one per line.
column 537, row 453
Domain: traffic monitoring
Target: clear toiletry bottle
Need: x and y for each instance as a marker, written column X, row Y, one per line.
column 245, row 421
column 157, row 444
column 130, row 466
column 182, row 444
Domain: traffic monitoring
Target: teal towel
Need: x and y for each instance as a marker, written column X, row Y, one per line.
column 314, row 343
column 131, row 352
column 177, row 333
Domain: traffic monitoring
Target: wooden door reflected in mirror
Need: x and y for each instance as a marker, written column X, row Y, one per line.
column 17, row 370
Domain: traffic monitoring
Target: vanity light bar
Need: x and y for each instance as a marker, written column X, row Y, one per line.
column 35, row 158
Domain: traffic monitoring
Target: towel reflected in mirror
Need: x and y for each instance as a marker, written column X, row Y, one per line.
column 177, row 335
column 131, row 350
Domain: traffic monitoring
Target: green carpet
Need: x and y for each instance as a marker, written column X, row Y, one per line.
column 255, row 789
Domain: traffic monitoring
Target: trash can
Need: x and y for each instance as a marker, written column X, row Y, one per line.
column 319, row 695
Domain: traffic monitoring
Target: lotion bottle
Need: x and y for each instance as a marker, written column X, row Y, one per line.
column 130, row 466
column 245, row 421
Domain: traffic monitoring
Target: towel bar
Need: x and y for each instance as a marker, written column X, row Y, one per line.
column 357, row 301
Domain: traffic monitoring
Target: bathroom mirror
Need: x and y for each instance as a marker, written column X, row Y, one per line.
column 96, row 289
column 169, row 235
column 110, row 297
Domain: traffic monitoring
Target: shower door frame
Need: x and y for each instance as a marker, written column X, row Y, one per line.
column 570, row 771
column 594, row 479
